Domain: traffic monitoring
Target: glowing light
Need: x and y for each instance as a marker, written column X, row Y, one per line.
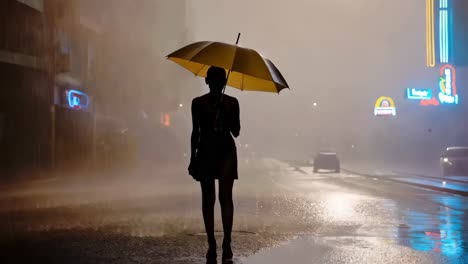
column 340, row 206
column 430, row 47
column 418, row 94
column 315, row 104
column 447, row 85
column 77, row 100
column 444, row 31
column 181, row 105
column 432, row 234
column 165, row 119
column 385, row 106
column 431, row 102
column 444, row 183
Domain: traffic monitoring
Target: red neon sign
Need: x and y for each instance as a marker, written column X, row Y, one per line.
column 431, row 102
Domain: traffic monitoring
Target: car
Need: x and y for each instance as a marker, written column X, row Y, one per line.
column 326, row 161
column 454, row 161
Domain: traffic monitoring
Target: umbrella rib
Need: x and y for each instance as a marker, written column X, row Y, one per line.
column 200, row 50
column 198, row 72
column 242, row 84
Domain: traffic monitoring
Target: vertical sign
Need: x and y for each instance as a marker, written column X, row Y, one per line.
column 447, row 85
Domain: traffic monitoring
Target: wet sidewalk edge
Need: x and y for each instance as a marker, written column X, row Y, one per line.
column 392, row 179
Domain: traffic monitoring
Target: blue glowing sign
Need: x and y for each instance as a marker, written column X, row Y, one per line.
column 77, row 100
column 444, row 31
column 418, row 94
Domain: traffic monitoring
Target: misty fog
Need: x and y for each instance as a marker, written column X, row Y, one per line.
column 341, row 55
column 98, row 162
column 337, row 56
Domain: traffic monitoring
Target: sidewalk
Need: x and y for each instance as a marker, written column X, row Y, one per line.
column 385, row 168
column 146, row 180
column 420, row 176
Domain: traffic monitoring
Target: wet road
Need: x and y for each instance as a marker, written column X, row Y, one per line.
column 283, row 214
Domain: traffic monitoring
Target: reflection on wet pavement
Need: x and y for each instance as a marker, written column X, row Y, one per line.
column 443, row 232
column 329, row 217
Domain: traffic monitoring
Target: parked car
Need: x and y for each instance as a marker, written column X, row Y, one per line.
column 326, row 161
column 454, row 161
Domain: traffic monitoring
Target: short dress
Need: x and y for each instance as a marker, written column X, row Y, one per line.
column 216, row 152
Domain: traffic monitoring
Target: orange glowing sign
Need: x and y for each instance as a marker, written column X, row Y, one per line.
column 430, row 41
column 165, row 119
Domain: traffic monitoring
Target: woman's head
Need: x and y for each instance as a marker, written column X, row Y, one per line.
column 216, row 79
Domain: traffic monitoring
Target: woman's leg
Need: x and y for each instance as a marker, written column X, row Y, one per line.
column 208, row 202
column 227, row 209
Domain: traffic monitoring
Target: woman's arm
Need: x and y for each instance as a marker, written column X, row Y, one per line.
column 235, row 130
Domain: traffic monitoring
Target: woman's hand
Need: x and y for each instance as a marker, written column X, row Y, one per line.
column 193, row 169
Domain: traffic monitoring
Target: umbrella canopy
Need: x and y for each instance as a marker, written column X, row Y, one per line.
column 249, row 71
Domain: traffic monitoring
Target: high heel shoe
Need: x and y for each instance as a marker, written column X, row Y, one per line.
column 227, row 252
column 211, row 253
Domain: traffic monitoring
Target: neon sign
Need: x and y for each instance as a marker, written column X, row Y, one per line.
column 447, row 85
column 430, row 43
column 444, row 31
column 77, row 100
column 418, row 94
column 430, row 102
column 385, row 106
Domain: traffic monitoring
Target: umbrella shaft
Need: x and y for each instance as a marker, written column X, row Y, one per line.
column 224, row 90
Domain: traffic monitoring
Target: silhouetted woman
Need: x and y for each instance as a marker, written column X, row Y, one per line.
column 215, row 120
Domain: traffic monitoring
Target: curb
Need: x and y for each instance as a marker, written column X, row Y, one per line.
column 434, row 188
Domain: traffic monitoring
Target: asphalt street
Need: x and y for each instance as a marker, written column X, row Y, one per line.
column 283, row 214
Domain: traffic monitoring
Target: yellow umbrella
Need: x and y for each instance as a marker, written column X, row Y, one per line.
column 247, row 69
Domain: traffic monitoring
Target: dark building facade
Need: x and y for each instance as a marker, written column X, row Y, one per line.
column 40, row 41
column 110, row 53
column 25, row 81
